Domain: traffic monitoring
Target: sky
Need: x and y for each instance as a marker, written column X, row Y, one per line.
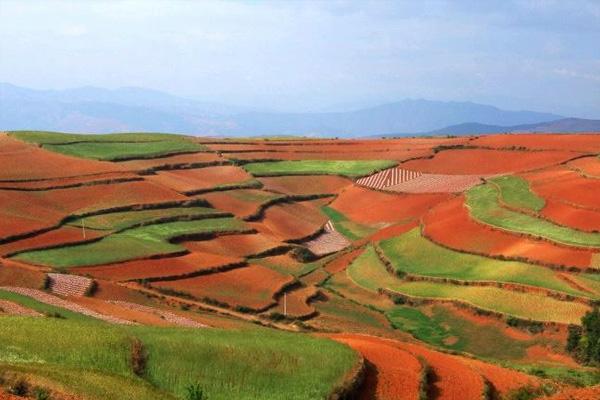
column 314, row 55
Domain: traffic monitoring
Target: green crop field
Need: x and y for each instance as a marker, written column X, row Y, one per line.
column 368, row 271
column 118, row 151
column 416, row 255
column 111, row 147
column 515, row 192
column 441, row 327
column 483, row 204
column 319, row 167
column 352, row 230
column 126, row 219
column 92, row 360
column 144, row 241
column 43, row 308
column 523, row 305
column 46, row 137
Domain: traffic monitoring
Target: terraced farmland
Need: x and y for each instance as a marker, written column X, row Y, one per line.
column 192, row 254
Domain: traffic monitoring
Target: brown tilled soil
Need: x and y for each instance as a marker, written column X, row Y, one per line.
column 581, row 142
column 234, row 245
column 12, row 308
column 188, row 180
column 304, row 185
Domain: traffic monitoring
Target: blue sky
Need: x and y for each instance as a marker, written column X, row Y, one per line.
column 309, row 55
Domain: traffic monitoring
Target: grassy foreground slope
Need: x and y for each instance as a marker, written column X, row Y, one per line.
column 318, row 167
column 93, row 360
column 141, row 242
column 483, row 204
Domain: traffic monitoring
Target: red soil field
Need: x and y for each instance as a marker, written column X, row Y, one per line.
column 157, row 268
column 22, row 161
column 487, row 162
column 393, row 154
column 588, row 393
column 436, row 183
column 341, row 262
column 292, row 221
column 503, row 380
column 87, row 180
column 574, row 142
column 176, row 160
column 297, row 302
column 309, row 184
column 587, row 166
column 567, row 186
column 253, row 286
column 369, row 207
column 13, row 274
column 450, row 225
column 391, row 231
column 233, row 245
column 189, row 180
column 397, row 373
column 23, row 212
column 330, row 145
column 55, row 237
column 573, row 217
column 241, row 203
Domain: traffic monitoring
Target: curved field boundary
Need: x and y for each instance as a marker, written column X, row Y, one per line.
column 483, row 207
column 391, row 373
column 342, row 168
column 295, row 303
column 34, row 186
column 182, row 165
column 166, row 315
column 12, row 308
column 46, row 298
column 262, row 208
column 588, row 167
column 404, row 298
column 439, row 224
column 563, row 214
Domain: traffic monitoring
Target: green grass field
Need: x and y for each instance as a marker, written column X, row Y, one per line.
column 47, row 137
column 352, row 230
column 141, row 242
column 92, row 360
column 440, row 327
column 111, row 147
column 483, row 204
column 368, row 272
column 414, row 254
column 318, row 167
column 126, row 219
column 43, row 308
column 515, row 192
column 119, row 151
column 523, row 305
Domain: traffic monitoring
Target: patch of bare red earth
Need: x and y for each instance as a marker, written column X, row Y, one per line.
column 567, row 186
column 573, row 217
column 180, row 160
column 369, row 207
column 487, row 162
column 588, row 393
column 456, row 378
column 450, row 225
column 584, row 143
column 292, row 221
column 296, row 303
column 196, row 262
column 305, row 184
column 60, row 236
column 58, row 183
column 586, row 166
column 234, row 245
column 24, row 161
column 341, row 263
column 388, row 154
column 190, row 180
column 253, row 286
column 24, row 212
column 235, row 202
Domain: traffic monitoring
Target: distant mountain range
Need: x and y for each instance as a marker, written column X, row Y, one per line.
column 97, row 110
